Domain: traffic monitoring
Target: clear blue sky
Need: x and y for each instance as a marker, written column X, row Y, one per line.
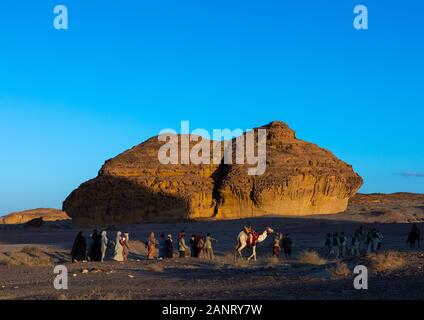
column 127, row 69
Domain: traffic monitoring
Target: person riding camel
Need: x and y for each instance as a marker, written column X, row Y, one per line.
column 249, row 231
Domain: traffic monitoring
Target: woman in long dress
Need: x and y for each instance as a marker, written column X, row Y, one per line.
column 104, row 245
column 118, row 256
column 151, row 246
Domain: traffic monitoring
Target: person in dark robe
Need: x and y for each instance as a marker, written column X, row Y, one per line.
column 417, row 233
column 169, row 247
column 162, row 247
column 79, row 248
column 327, row 244
column 412, row 238
column 193, row 246
column 96, row 249
column 287, row 246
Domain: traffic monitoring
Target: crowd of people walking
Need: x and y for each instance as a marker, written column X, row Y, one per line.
column 199, row 246
column 337, row 245
column 98, row 247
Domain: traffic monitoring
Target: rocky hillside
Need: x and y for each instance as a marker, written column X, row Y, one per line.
column 24, row 216
column 300, row 178
column 399, row 207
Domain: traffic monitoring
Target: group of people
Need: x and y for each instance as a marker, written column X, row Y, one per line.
column 97, row 247
column 282, row 241
column 199, row 246
column 337, row 245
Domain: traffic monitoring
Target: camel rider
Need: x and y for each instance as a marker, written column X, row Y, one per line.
column 249, row 231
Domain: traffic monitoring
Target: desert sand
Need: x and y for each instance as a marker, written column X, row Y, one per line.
column 28, row 255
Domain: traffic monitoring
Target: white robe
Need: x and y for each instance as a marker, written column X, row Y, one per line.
column 118, row 248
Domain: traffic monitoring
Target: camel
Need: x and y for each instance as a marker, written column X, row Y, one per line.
column 242, row 242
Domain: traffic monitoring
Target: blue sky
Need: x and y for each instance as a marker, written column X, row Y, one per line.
column 127, row 69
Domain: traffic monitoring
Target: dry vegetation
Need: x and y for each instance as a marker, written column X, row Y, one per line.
column 28, row 256
column 311, row 257
column 340, row 270
column 273, row 261
column 227, row 260
column 155, row 267
column 34, row 251
column 387, row 262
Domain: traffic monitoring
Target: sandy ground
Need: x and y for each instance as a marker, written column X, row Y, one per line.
column 191, row 278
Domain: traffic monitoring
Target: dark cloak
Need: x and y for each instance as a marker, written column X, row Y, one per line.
column 169, row 249
column 79, row 248
column 96, row 249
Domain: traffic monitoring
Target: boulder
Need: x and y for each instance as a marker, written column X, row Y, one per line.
column 35, row 223
column 300, row 179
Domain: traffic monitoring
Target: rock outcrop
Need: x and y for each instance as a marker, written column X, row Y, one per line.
column 300, row 178
column 34, row 223
column 46, row 214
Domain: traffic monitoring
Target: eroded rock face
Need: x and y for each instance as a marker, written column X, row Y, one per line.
column 300, row 179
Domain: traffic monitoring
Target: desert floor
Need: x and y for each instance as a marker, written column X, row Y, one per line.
column 28, row 256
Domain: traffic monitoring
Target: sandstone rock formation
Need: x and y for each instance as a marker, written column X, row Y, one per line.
column 24, row 216
column 300, row 178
